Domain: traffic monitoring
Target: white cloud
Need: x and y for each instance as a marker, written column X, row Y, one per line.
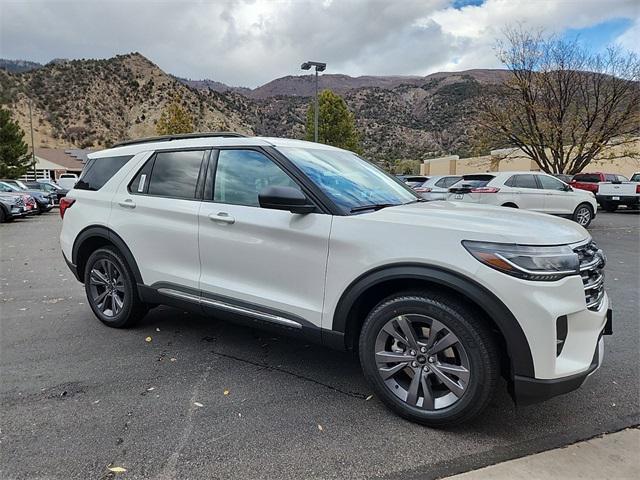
column 249, row 42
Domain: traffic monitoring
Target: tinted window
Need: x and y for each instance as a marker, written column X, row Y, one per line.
column 140, row 182
column 550, row 183
column 175, row 174
column 636, row 177
column 242, row 174
column 609, row 178
column 475, row 180
column 522, row 181
column 587, row 178
column 446, row 182
column 99, row 171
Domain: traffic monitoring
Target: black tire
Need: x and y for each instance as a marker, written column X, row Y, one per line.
column 510, row 205
column 609, row 207
column 583, row 214
column 3, row 215
column 132, row 308
column 39, row 209
column 472, row 334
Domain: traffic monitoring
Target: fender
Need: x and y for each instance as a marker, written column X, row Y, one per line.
column 516, row 341
column 111, row 236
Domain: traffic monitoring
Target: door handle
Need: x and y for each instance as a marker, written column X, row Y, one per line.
column 128, row 203
column 222, row 217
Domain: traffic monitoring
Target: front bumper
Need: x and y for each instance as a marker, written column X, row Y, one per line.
column 526, row 390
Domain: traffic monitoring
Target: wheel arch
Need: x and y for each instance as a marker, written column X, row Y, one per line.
column 367, row 290
column 509, row 205
column 93, row 237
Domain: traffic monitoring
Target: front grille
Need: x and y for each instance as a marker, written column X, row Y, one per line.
column 592, row 262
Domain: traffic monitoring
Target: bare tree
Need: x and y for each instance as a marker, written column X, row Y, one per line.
column 563, row 106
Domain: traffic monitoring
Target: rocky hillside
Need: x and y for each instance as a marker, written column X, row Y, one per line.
column 88, row 103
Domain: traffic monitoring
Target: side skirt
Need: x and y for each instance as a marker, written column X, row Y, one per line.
column 242, row 313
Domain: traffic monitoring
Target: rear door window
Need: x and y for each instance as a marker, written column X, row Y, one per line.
column 523, row 181
column 99, row 171
column 174, row 174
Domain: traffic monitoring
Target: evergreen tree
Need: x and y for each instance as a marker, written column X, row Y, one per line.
column 174, row 119
column 336, row 124
column 14, row 161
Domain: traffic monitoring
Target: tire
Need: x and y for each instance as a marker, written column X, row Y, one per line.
column 583, row 214
column 609, row 207
column 39, row 209
column 3, row 215
column 474, row 349
column 108, row 276
column 510, row 205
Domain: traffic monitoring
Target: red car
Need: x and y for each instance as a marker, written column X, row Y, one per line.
column 589, row 181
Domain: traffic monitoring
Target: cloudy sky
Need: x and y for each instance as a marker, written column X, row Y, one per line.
column 249, row 42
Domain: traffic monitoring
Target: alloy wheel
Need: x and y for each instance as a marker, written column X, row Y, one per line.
column 583, row 215
column 422, row 362
column 106, row 284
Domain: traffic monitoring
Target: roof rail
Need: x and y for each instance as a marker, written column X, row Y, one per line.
column 181, row 136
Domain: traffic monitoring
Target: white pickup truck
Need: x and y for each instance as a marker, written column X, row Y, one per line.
column 611, row 195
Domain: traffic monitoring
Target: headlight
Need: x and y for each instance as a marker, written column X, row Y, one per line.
column 527, row 262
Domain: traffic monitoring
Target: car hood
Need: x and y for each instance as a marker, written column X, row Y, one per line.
column 486, row 223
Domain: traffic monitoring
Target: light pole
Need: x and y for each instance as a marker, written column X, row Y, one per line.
column 320, row 67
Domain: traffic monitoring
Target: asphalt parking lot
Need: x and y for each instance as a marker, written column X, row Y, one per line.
column 207, row 399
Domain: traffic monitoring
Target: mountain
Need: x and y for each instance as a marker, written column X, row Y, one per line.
column 18, row 66
column 93, row 103
column 89, row 103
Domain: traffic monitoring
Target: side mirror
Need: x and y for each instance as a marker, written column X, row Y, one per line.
column 285, row 198
column 567, row 188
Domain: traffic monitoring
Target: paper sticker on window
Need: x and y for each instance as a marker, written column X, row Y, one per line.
column 143, row 179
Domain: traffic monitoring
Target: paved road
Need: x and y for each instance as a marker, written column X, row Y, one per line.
column 77, row 397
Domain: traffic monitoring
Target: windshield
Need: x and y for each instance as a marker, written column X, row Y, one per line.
column 7, row 187
column 347, row 179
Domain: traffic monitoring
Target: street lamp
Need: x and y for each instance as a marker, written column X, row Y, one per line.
column 320, row 67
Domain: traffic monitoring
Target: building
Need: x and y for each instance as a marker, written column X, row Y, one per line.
column 53, row 162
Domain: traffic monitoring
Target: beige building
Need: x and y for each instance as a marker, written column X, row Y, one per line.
column 53, row 162
column 624, row 160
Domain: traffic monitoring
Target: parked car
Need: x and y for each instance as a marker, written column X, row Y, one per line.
column 565, row 178
column 55, row 191
column 43, row 201
column 67, row 180
column 437, row 188
column 437, row 298
column 11, row 206
column 611, row 195
column 526, row 190
column 590, row 181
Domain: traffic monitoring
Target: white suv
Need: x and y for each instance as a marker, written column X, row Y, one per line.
column 527, row 190
column 439, row 299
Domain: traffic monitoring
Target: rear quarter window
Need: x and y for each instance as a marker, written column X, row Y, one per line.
column 99, row 171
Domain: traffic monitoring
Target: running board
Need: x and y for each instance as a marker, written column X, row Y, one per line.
column 229, row 308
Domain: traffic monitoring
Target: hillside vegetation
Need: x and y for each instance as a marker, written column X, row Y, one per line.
column 94, row 103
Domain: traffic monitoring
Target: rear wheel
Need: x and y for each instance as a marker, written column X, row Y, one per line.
column 429, row 358
column 583, row 214
column 110, row 288
column 3, row 216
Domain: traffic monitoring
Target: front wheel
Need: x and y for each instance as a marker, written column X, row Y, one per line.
column 110, row 288
column 429, row 358
column 583, row 214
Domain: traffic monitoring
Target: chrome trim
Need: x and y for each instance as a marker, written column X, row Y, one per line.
column 537, row 272
column 230, row 308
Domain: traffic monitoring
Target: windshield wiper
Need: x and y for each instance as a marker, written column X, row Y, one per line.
column 373, row 206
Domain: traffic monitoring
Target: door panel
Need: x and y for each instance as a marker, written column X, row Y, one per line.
column 265, row 257
column 556, row 199
column 526, row 193
column 162, row 232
